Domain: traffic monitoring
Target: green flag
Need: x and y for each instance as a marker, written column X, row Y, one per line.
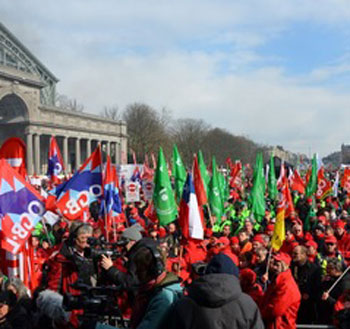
column 215, row 201
column 272, row 181
column 224, row 191
column 179, row 173
column 203, row 169
column 163, row 196
column 311, row 187
column 257, row 197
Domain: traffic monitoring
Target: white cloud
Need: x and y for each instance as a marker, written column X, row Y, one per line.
column 194, row 57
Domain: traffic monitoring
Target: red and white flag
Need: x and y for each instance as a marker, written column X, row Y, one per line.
column 190, row 215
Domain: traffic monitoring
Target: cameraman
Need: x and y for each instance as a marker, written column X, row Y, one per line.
column 154, row 289
column 69, row 264
column 119, row 277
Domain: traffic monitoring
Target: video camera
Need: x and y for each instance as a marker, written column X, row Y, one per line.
column 99, row 247
column 97, row 303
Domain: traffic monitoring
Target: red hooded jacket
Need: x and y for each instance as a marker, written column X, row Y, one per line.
column 280, row 305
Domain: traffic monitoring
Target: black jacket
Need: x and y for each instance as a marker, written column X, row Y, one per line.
column 215, row 301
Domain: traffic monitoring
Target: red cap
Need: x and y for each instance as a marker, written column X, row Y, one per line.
column 208, row 232
column 322, row 219
column 270, row 228
column 339, row 223
column 234, row 240
column 258, row 238
column 330, row 239
column 162, row 232
column 283, row 257
column 311, row 243
column 225, row 241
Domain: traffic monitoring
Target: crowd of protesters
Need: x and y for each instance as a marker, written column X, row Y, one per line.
column 229, row 279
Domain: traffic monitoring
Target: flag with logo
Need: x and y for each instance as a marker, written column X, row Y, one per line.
column 215, row 201
column 75, row 196
column 179, row 171
column 21, row 208
column 55, row 164
column 324, row 186
column 163, row 197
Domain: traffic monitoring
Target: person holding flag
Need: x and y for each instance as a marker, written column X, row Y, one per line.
column 281, row 301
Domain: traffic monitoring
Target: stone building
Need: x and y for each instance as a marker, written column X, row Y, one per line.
column 345, row 154
column 28, row 111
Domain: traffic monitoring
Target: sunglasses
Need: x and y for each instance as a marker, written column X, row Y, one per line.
column 330, row 244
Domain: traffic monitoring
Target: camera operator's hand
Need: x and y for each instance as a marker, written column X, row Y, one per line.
column 106, row 262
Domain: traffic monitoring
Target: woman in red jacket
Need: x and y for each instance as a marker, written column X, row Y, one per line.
column 279, row 308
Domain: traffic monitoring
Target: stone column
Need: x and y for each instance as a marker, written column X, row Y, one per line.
column 108, row 148
column 88, row 148
column 37, row 154
column 65, row 153
column 117, row 153
column 29, row 139
column 77, row 153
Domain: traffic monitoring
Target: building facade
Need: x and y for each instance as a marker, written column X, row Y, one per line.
column 28, row 111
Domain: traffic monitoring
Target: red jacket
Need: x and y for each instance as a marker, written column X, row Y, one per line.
column 344, row 246
column 281, row 301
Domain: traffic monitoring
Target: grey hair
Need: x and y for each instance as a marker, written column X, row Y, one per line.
column 49, row 303
column 17, row 283
column 78, row 228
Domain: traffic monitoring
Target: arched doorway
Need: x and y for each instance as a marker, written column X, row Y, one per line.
column 13, row 117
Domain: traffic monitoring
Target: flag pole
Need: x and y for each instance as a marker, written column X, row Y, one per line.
column 337, row 281
column 106, row 220
column 268, row 265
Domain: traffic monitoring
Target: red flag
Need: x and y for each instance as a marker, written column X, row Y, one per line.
column 21, row 266
column 198, row 183
column 296, row 183
column 14, row 151
column 324, row 186
column 236, row 175
column 345, row 181
column 147, row 173
column 289, row 205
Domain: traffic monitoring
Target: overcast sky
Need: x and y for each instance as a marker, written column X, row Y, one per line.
column 276, row 71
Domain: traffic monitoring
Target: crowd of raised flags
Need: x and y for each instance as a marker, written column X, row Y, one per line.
column 183, row 198
column 198, row 200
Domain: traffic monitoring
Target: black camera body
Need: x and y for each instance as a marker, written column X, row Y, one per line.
column 99, row 247
column 97, row 303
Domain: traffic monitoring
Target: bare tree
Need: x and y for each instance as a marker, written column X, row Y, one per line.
column 189, row 135
column 111, row 113
column 146, row 129
column 67, row 103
